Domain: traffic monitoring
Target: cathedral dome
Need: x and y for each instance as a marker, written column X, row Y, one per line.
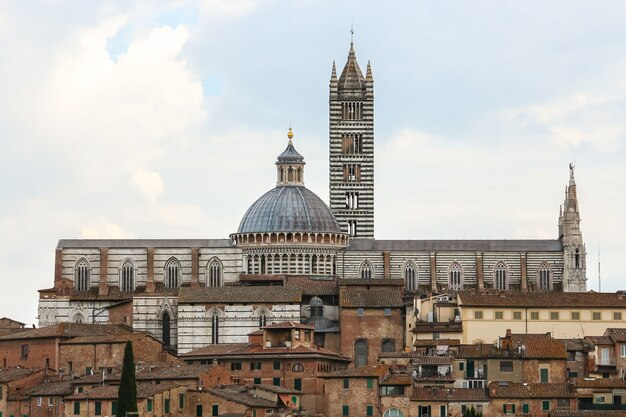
column 289, row 209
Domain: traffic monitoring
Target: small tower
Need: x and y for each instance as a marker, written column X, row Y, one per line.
column 351, row 141
column 574, row 253
column 290, row 165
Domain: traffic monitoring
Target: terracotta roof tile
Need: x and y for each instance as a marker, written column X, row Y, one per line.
column 110, row 392
column 240, row 294
column 523, row 390
column 241, row 396
column 396, row 379
column 586, row 413
column 436, row 342
column 448, row 394
column 289, row 325
column 371, row 282
column 600, row 340
column 253, row 350
column 543, row 299
column 367, row 371
column 61, row 388
column 539, row 346
column 417, row 358
column 618, row 335
column 109, row 338
column 370, row 298
column 16, row 373
column 581, row 345
column 276, row 389
column 68, row 330
column 311, row 286
column 598, row 383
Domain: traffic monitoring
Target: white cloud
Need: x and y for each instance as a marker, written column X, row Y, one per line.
column 103, row 228
column 148, row 183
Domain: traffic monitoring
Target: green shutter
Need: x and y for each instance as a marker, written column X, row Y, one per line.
column 346, row 383
column 461, row 366
column 76, row 408
column 149, row 404
column 370, row 383
column 370, row 410
column 257, row 381
column 544, row 375
column 276, row 382
column 297, row 384
column 215, row 410
column 167, row 406
column 525, row 408
column 504, row 408
column 513, row 408
column 114, row 408
column 546, row 405
column 181, row 401
column 346, row 411
column 98, row 408
column 199, row 410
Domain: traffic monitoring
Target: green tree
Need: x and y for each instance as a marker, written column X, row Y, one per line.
column 127, row 394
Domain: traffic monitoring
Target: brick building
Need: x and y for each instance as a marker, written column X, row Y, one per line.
column 532, row 399
column 437, row 401
column 46, row 400
column 14, row 381
column 354, row 392
column 256, row 401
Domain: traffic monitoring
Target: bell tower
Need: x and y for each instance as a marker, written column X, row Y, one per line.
column 574, row 253
column 352, row 148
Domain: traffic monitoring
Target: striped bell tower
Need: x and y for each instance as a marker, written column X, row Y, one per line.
column 352, row 148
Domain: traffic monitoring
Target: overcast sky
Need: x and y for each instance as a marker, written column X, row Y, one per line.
column 163, row 119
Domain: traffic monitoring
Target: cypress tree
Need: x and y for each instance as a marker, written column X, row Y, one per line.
column 127, row 394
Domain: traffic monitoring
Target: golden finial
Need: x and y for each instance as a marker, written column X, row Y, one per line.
column 290, row 134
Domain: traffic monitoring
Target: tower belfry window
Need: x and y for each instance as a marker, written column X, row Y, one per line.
column 215, row 273
column 352, row 200
column 81, row 276
column 544, row 277
column 410, row 276
column 456, row 280
column 500, row 277
column 172, row 273
column 352, row 228
column 128, row 276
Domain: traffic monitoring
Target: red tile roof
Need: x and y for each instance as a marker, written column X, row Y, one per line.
column 16, row 373
column 289, row 325
column 367, row 371
column 542, row 299
column 372, row 298
column 586, row 413
column 69, row 330
column 618, row 335
column 599, row 383
column 449, row 395
column 436, row 342
column 110, row 392
column 236, row 350
column 311, row 286
column 523, row 390
column 240, row 294
column 539, row 346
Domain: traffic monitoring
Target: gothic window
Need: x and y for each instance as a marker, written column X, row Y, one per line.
column 360, row 353
column 500, row 277
column 215, row 328
column 545, row 282
column 262, row 320
column 214, row 271
column 367, row 271
column 577, row 258
column 455, row 276
column 128, row 276
column 172, row 273
column 165, row 328
column 81, row 275
column 410, row 276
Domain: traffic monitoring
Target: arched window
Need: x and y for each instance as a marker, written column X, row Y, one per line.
column 81, row 275
column 393, row 412
column 544, row 277
column 410, row 276
column 215, row 328
column 297, row 367
column 455, row 276
column 388, row 345
column 172, row 273
column 360, row 353
column 165, row 328
column 214, row 271
column 262, row 320
column 367, row 270
column 500, row 280
column 128, row 276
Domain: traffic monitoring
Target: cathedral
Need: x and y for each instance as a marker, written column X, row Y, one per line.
column 296, row 258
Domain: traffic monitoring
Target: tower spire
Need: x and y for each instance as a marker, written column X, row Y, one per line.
column 574, row 252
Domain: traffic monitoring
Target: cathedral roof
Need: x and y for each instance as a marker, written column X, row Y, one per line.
column 351, row 77
column 547, row 245
column 243, row 294
column 289, row 209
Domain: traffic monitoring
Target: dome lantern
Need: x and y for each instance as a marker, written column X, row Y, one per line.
column 290, row 165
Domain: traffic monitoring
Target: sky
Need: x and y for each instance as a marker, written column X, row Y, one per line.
column 163, row 119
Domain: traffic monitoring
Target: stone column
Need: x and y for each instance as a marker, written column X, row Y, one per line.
column 523, row 270
column 195, row 267
column 103, row 284
column 480, row 280
column 433, row 271
column 150, row 286
column 386, row 267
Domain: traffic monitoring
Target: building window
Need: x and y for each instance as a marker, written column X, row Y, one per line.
column 499, row 315
column 345, row 411
column 276, row 382
column 367, row 271
column 181, row 401
column 166, row 406
column 369, row 411
column 370, row 383
column 455, row 276
column 596, row 315
column 617, row 316
column 508, row 408
column 500, row 277
column 554, row 315
column 149, row 404
column 410, row 276
column 360, row 353
column 545, row 283
column 388, row 345
column 76, row 408
column 39, row 401
column 517, row 315
column 525, row 409
column 360, row 311
column 622, row 350
column 352, row 200
column 114, row 407
column 215, row 273
column 257, row 381
column 215, row 328
column 346, row 383
column 24, row 352
column 544, row 375
column 98, row 408
column 128, row 276
column 478, row 314
column 235, row 366
column 352, row 228
column 297, row 367
column 255, row 366
column 172, row 271
column 387, row 311
column 198, row 410
column 534, row 315
column 215, row 410
column 506, row 366
column 262, row 319
column 545, row 405
column 81, row 275
column 393, row 412
column 575, row 315
column 276, row 365
column 297, row 384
